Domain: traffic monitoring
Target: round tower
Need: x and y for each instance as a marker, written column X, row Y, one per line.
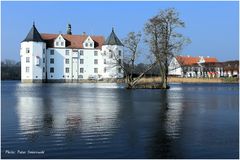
column 112, row 51
column 33, row 57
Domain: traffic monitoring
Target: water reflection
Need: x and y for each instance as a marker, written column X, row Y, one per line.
column 87, row 114
column 77, row 121
column 30, row 119
column 167, row 131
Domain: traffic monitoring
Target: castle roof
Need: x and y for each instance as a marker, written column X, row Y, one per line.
column 113, row 40
column 33, row 35
column 72, row 41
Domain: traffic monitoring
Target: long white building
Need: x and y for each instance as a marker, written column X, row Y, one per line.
column 70, row 58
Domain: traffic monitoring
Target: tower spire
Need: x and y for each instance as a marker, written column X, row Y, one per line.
column 33, row 35
column 113, row 39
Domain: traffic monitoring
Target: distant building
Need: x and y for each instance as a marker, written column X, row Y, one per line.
column 70, row 58
column 231, row 68
column 188, row 66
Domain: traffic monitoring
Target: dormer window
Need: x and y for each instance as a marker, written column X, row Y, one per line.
column 88, row 43
column 59, row 41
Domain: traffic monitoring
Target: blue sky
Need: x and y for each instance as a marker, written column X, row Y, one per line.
column 211, row 26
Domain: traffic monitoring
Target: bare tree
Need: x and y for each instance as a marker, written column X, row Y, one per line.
column 164, row 41
column 128, row 63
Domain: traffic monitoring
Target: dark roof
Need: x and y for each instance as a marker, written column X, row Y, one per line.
column 33, row 35
column 113, row 40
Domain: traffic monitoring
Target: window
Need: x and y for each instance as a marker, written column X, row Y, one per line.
column 37, row 61
column 43, row 69
column 52, row 60
column 110, row 55
column 86, row 44
column 27, row 69
column 119, row 53
column 119, row 61
column 27, row 50
column 95, row 70
column 67, row 61
column 43, row 60
column 105, row 61
column 105, row 69
column 80, row 76
column 119, row 70
column 61, row 43
column 81, row 52
column 67, row 70
column 51, row 52
column 56, row 43
column 52, row 70
column 91, row 45
column 43, row 51
column 95, row 53
column 67, row 52
column 95, row 61
column 81, row 61
column 81, row 70
column 27, row 59
column 104, row 53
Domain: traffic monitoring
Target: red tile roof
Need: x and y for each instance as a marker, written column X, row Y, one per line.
column 73, row 41
column 188, row 60
column 210, row 59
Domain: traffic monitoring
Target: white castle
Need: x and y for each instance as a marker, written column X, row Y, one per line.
column 70, row 58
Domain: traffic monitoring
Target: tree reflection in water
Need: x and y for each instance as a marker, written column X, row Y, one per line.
column 167, row 129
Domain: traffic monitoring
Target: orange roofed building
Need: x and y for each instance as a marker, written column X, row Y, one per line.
column 188, row 66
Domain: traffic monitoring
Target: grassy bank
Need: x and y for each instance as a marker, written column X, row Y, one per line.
column 189, row 80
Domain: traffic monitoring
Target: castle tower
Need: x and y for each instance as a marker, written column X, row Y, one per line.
column 112, row 51
column 33, row 57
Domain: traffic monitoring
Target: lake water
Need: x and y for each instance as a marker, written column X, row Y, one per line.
column 108, row 121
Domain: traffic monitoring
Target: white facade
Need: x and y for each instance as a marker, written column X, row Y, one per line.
column 32, row 67
column 66, row 64
column 175, row 68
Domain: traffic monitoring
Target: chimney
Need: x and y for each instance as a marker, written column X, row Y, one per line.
column 69, row 29
column 84, row 33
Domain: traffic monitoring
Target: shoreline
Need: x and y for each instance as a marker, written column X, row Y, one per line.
column 190, row 80
column 155, row 80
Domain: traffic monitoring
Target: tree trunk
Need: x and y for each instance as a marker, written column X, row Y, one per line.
column 163, row 72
